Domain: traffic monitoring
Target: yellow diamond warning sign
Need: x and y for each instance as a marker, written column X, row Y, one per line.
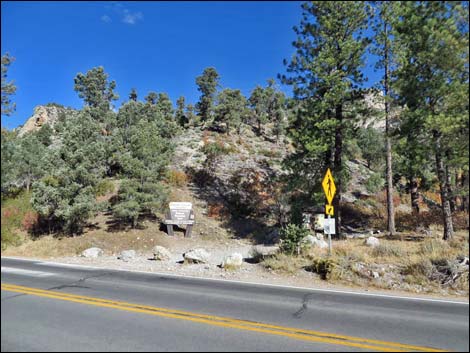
column 329, row 186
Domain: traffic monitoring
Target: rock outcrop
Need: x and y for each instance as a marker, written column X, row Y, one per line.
column 44, row 114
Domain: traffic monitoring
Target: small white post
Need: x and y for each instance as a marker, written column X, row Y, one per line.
column 329, row 236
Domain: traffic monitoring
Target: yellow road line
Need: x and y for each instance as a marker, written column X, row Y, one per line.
column 308, row 335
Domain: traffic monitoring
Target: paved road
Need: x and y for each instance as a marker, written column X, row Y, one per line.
column 53, row 307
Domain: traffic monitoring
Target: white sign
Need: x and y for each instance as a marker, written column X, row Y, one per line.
column 329, row 226
column 181, row 205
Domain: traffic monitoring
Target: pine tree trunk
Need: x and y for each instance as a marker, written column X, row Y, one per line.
column 449, row 186
column 445, row 204
column 388, row 145
column 465, row 198
column 414, row 195
column 337, row 168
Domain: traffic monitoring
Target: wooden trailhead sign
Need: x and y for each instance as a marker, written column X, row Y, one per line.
column 180, row 213
column 329, row 186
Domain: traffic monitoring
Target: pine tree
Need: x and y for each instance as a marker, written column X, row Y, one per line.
column 65, row 197
column 180, row 115
column 133, row 95
column 207, row 85
column 8, row 88
column 384, row 49
column 434, row 51
column 231, row 110
column 151, row 98
column 325, row 74
column 165, row 106
column 95, row 89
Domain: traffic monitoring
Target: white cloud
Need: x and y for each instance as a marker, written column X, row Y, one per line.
column 125, row 15
column 131, row 17
column 106, row 18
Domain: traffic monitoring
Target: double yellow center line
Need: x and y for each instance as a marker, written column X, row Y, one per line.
column 295, row 333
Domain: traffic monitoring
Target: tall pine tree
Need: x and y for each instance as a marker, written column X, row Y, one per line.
column 325, row 74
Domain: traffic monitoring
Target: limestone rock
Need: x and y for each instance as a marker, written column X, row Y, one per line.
column 233, row 260
column 315, row 242
column 198, row 255
column 372, row 242
column 161, row 253
column 92, row 252
column 43, row 114
column 127, row 255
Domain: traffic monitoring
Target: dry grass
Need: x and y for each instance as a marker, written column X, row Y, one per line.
column 284, row 263
column 425, row 264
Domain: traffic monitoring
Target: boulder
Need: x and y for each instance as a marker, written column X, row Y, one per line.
column 126, row 255
column 198, row 255
column 161, row 253
column 233, row 260
column 372, row 242
column 92, row 252
column 315, row 242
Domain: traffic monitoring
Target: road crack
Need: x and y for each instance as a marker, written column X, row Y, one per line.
column 76, row 284
column 298, row 314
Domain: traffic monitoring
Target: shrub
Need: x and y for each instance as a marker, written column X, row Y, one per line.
column 13, row 214
column 104, row 187
column 216, row 211
column 284, row 263
column 324, row 267
column 30, row 221
column 291, row 238
column 375, row 183
column 435, row 248
column 271, row 153
column 177, row 178
column 418, row 272
column 386, row 250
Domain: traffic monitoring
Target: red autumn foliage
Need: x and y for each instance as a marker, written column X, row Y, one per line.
column 29, row 221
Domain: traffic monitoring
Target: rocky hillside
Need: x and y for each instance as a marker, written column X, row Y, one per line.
column 43, row 114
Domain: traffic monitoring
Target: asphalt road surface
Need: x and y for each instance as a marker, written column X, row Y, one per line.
column 54, row 307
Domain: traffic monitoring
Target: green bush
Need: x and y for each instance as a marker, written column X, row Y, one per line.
column 375, row 183
column 104, row 187
column 324, row 267
column 291, row 238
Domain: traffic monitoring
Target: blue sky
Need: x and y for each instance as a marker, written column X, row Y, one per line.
column 152, row 46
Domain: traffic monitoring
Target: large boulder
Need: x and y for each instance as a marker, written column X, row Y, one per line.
column 92, row 252
column 372, row 242
column 233, row 260
column 127, row 255
column 198, row 255
column 161, row 253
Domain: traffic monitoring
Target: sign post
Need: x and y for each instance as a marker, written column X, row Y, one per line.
column 329, row 188
column 181, row 213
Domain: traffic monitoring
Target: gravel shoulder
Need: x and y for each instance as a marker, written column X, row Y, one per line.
column 248, row 272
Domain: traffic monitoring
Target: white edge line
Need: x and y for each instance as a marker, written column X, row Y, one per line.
column 58, row 264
